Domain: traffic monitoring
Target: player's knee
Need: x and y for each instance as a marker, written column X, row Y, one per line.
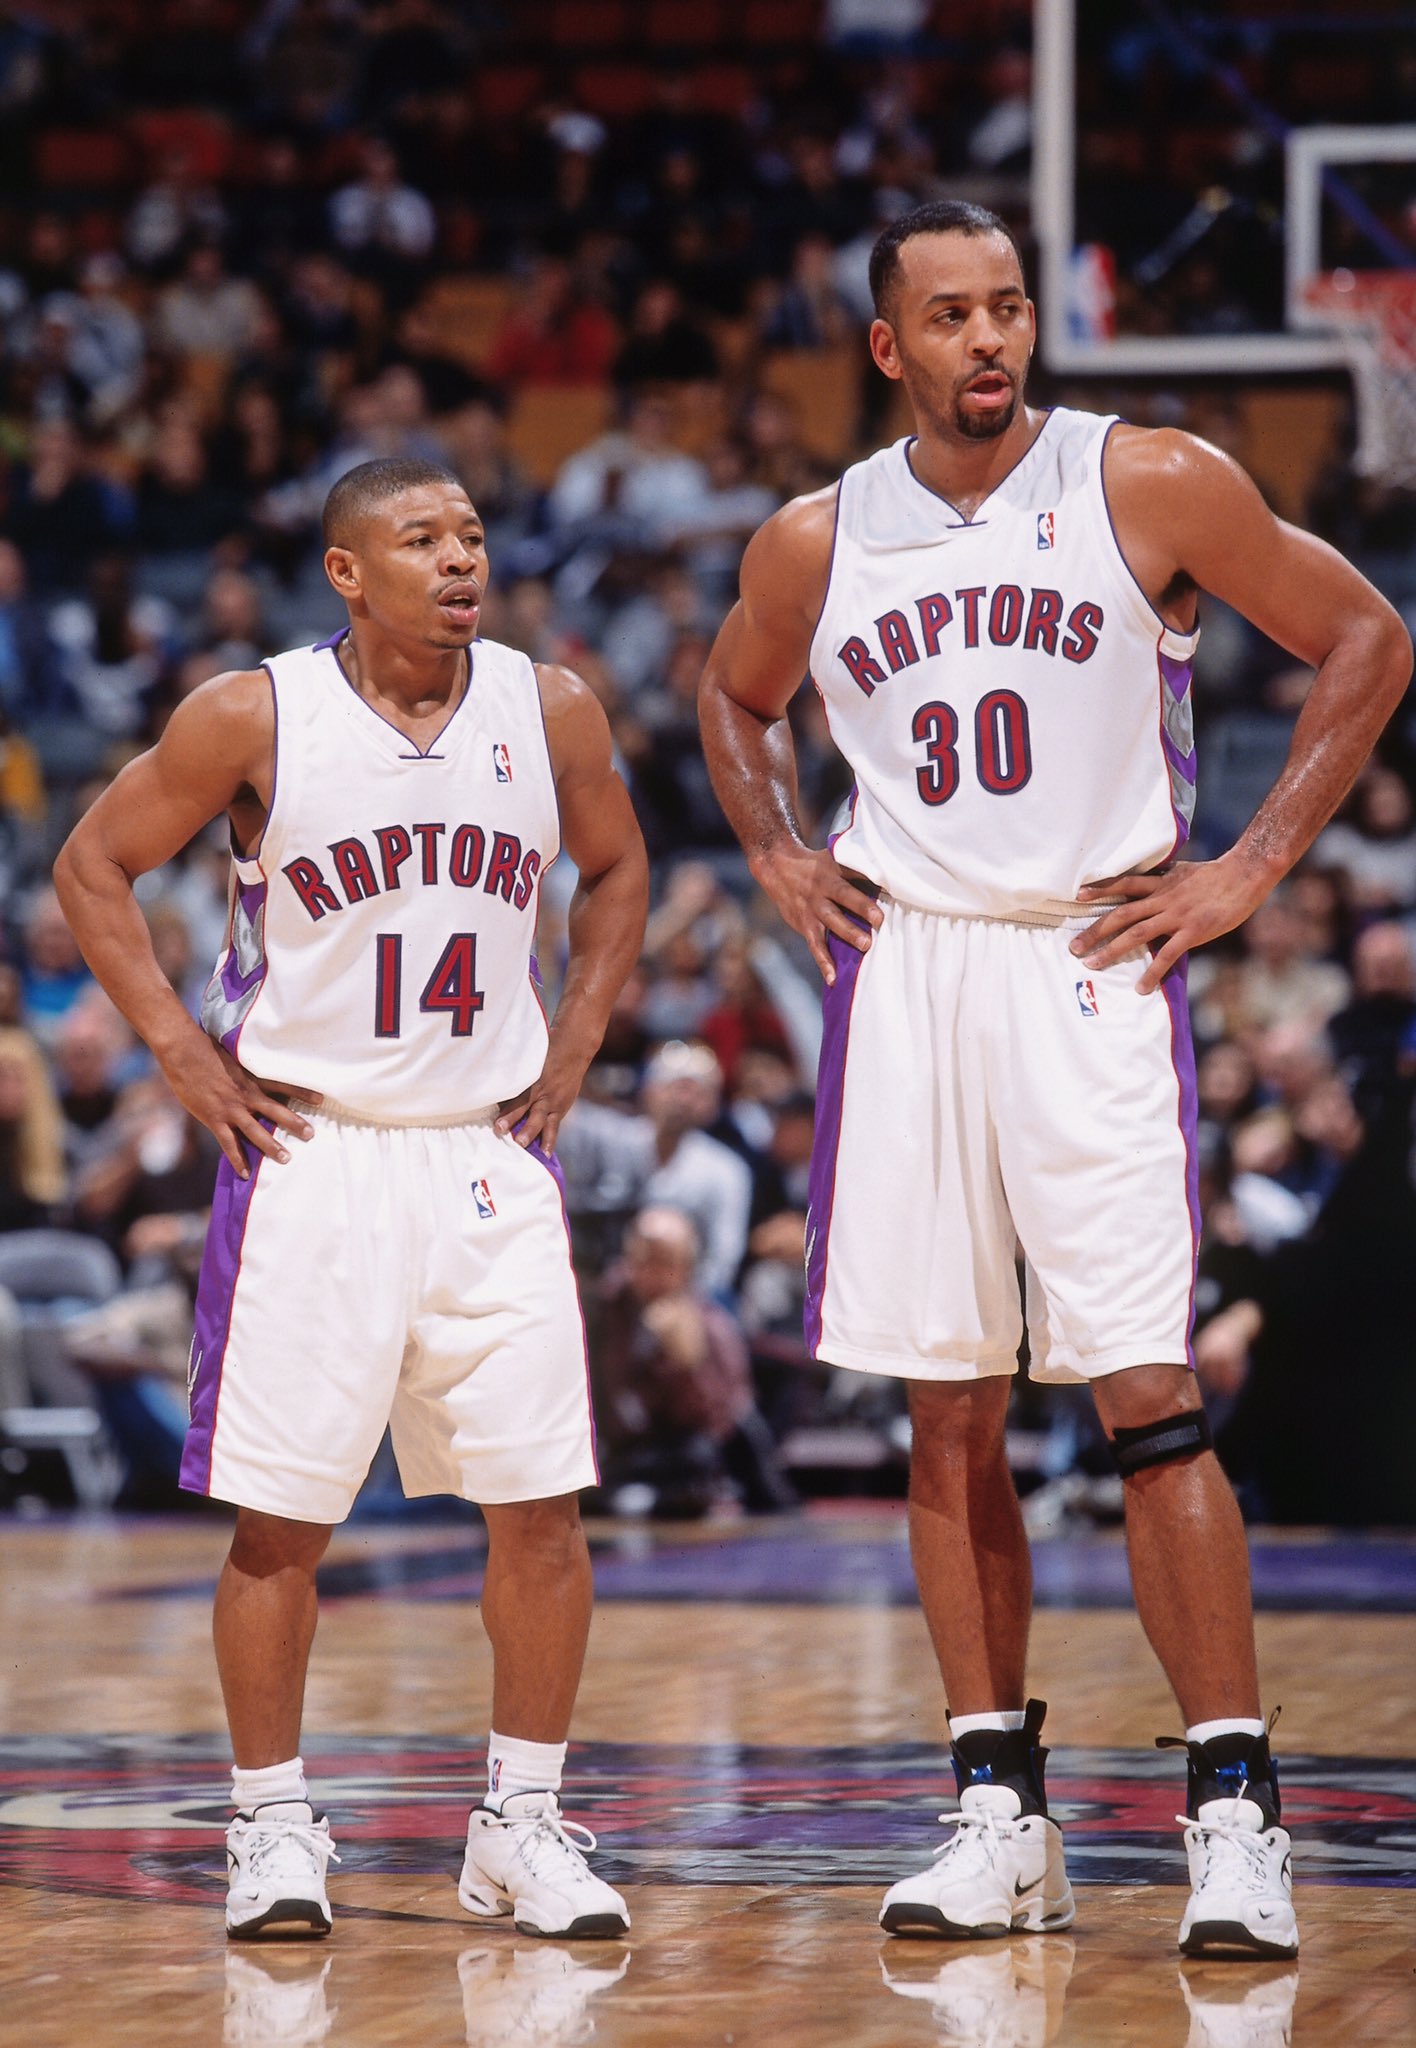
column 266, row 1544
column 1162, row 1442
column 549, row 1530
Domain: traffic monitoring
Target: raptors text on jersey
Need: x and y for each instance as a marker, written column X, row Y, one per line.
column 381, row 937
column 1016, row 713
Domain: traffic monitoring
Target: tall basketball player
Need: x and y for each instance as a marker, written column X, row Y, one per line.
column 387, row 1241
column 999, row 615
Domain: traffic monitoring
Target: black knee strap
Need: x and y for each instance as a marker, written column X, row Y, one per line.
column 1156, row 1443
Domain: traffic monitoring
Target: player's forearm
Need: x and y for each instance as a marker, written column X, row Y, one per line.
column 1353, row 695
column 752, row 762
column 606, row 933
column 111, row 932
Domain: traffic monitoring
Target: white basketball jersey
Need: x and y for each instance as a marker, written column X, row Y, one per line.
column 380, row 945
column 1017, row 714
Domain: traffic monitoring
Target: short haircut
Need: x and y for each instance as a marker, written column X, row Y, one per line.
column 939, row 217
column 369, row 484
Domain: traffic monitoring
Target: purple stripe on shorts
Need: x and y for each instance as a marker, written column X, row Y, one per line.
column 555, row 1170
column 836, row 1005
column 216, row 1292
column 1182, row 1053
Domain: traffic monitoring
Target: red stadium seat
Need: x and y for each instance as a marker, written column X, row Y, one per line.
column 614, row 90
column 202, row 138
column 780, row 21
column 82, row 156
column 506, row 90
column 683, row 24
column 589, row 24
column 722, row 88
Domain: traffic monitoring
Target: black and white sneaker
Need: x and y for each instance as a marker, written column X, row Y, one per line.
column 276, row 1860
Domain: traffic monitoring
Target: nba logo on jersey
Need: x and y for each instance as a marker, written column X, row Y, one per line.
column 1046, row 529
column 482, row 1196
column 501, row 761
column 1086, row 999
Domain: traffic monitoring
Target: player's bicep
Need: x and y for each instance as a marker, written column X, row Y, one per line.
column 1291, row 585
column 763, row 649
column 597, row 821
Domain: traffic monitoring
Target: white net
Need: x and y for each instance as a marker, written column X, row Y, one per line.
column 1375, row 313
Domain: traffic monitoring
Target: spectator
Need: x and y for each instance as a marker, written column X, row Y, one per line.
column 664, row 346
column 171, row 212
column 553, row 335
column 31, row 1145
column 31, row 682
column 742, row 1019
column 106, row 351
column 60, row 515
column 810, row 311
column 383, row 226
column 1376, row 845
column 113, row 648
column 675, row 1383
column 53, row 976
column 1367, row 1037
column 207, row 312
column 89, row 1050
column 149, row 1192
column 1279, row 981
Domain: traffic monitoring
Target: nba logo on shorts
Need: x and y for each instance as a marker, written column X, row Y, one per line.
column 501, row 761
column 1086, row 999
column 482, row 1196
column 1046, row 532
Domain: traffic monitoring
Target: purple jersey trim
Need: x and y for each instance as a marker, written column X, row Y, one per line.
column 216, row 1295
column 553, row 1168
column 1182, row 1053
column 836, row 1006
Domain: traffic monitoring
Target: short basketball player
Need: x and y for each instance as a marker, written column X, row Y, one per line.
column 999, row 615
column 387, row 1241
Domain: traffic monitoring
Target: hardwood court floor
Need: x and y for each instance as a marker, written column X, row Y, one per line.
column 757, row 1768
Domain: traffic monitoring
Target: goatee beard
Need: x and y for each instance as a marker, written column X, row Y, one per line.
column 985, row 426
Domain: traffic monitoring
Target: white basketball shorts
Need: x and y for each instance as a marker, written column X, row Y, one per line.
column 983, row 1093
column 413, row 1277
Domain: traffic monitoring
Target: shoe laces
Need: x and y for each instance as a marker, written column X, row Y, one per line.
column 267, row 1841
column 547, row 1840
column 1241, row 1850
column 975, row 1836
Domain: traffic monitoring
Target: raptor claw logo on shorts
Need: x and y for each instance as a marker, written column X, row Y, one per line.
column 482, row 1196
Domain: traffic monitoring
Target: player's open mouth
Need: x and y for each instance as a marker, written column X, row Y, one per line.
column 992, row 388
column 461, row 605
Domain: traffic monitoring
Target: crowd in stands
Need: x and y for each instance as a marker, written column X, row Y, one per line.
column 244, row 248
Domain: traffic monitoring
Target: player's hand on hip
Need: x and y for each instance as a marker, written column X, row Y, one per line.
column 1169, row 913
column 235, row 1106
column 815, row 897
column 534, row 1116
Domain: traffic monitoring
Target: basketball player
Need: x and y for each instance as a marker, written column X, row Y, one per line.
column 999, row 615
column 387, row 1240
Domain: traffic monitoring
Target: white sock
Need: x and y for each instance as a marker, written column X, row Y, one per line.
column 272, row 1785
column 1006, row 1720
column 515, row 1766
column 1205, row 1731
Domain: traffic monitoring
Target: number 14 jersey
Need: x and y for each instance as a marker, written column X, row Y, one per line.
column 1016, row 713
column 381, row 939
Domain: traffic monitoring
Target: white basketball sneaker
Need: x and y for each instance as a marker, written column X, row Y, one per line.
column 527, row 1860
column 1000, row 1869
column 276, row 1859
column 1241, row 1883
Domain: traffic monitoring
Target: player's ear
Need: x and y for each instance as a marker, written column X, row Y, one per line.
column 882, row 348
column 342, row 572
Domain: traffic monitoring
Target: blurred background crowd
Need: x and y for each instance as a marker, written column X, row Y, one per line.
column 607, row 259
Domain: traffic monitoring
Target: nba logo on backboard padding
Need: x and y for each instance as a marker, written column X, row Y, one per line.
column 482, row 1196
column 1086, row 999
column 1046, row 529
column 501, row 761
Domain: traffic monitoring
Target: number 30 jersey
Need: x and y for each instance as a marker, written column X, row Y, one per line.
column 1017, row 715
column 381, row 934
